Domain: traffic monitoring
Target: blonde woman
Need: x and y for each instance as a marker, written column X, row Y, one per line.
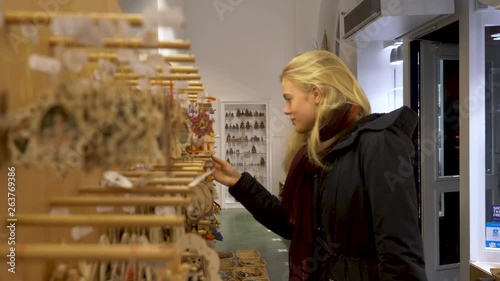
column 349, row 204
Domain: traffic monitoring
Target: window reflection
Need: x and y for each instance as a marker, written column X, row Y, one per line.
column 492, row 159
column 449, row 139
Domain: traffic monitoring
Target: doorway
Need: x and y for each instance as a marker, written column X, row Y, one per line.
column 435, row 96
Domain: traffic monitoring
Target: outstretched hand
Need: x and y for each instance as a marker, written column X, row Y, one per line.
column 224, row 172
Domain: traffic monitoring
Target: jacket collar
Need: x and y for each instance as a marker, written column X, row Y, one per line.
column 403, row 118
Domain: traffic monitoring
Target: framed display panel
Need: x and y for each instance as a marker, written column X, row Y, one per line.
column 244, row 142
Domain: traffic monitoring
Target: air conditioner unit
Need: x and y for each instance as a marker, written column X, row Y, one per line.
column 374, row 20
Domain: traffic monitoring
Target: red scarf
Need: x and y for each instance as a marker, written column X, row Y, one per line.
column 298, row 190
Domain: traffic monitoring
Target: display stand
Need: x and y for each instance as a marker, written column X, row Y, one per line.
column 245, row 142
column 50, row 215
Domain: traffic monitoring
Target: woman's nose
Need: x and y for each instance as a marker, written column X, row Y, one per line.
column 286, row 110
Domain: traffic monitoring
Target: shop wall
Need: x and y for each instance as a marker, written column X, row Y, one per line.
column 380, row 80
column 241, row 48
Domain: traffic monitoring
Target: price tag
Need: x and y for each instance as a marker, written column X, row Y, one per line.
column 78, row 232
column 59, row 211
column 44, row 64
column 129, row 209
column 104, row 209
column 74, row 60
column 125, row 55
column 164, row 210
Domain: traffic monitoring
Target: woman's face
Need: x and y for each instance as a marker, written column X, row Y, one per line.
column 300, row 106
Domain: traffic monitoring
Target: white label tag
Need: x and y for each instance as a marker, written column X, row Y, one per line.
column 74, row 60
column 45, row 64
column 104, row 209
column 59, row 211
column 164, row 210
column 78, row 232
column 125, row 55
column 57, row 25
column 92, row 36
column 129, row 209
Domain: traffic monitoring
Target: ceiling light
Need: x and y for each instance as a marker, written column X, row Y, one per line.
column 495, row 35
column 397, row 55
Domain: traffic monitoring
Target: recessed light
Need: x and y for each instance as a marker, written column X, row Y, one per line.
column 495, row 35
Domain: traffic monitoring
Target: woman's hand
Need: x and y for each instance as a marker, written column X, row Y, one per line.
column 225, row 173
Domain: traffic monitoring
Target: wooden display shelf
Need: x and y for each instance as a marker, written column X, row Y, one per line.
column 134, row 174
column 176, row 76
column 93, row 252
column 173, row 69
column 167, row 181
column 45, row 18
column 119, row 201
column 119, row 43
column 140, row 190
column 98, row 220
column 95, row 56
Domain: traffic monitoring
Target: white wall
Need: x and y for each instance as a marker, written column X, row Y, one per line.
column 241, row 48
column 380, row 80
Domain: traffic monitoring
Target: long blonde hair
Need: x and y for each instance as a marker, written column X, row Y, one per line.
column 325, row 72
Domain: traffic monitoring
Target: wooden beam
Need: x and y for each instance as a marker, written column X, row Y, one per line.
column 120, row 43
column 44, row 18
column 98, row 220
column 119, row 201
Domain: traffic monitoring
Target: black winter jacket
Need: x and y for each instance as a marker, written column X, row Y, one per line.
column 366, row 216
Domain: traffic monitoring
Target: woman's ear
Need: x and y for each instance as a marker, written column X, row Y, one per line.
column 318, row 95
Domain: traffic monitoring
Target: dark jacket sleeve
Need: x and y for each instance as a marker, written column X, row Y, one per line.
column 265, row 207
column 390, row 185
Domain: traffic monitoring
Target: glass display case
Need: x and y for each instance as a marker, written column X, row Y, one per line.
column 244, row 142
column 492, row 159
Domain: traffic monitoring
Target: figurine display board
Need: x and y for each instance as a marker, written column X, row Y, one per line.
column 107, row 173
column 244, row 138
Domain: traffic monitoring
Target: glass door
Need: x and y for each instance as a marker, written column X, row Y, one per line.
column 440, row 152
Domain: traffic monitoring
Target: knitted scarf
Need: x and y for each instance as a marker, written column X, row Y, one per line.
column 298, row 190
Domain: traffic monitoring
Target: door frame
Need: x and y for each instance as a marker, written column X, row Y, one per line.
column 432, row 184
